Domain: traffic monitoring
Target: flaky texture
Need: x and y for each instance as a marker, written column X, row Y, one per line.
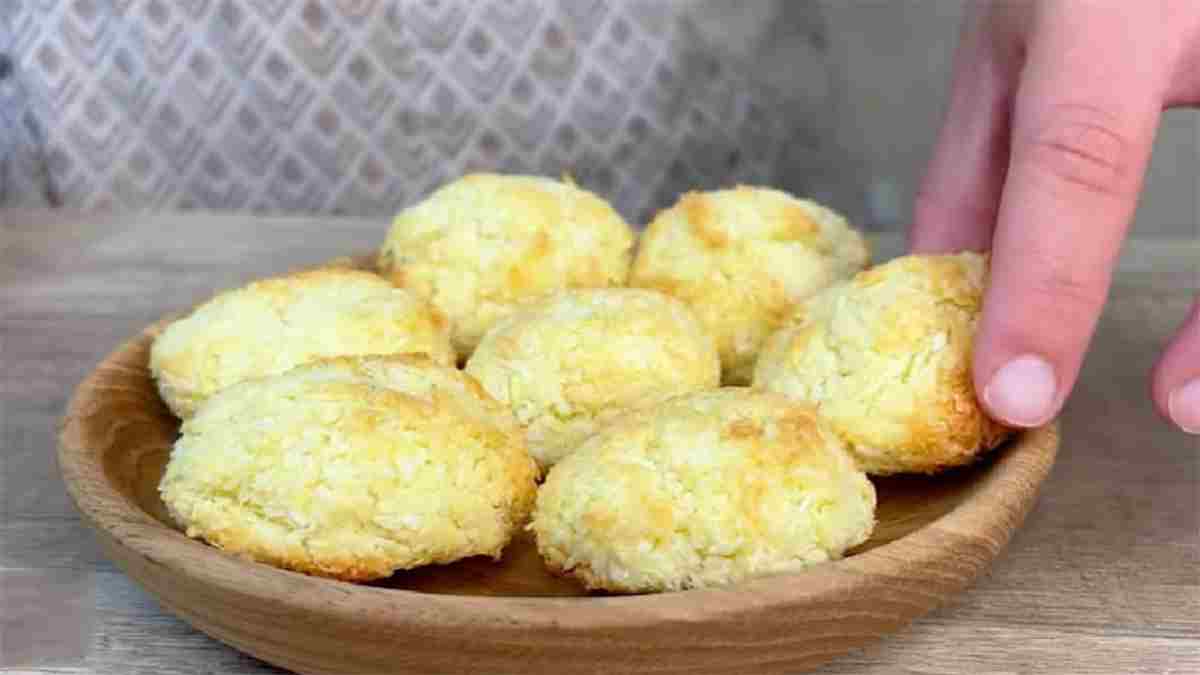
column 705, row 489
column 887, row 357
column 352, row 468
column 742, row 258
column 568, row 363
column 272, row 325
column 486, row 241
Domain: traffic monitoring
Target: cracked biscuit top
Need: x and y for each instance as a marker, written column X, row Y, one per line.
column 572, row 361
column 271, row 325
column 742, row 258
column 705, row 489
column 352, row 468
column 887, row 358
column 481, row 244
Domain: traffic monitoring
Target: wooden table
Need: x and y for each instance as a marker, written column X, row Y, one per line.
column 1104, row 577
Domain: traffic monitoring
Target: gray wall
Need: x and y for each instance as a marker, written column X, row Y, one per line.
column 881, row 82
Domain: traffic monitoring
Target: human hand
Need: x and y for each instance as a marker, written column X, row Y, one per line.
column 1052, row 114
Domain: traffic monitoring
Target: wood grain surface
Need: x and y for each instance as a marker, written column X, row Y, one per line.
column 1104, row 578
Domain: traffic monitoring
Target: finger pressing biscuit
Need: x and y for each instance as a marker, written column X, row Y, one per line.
column 352, row 468
column 887, row 357
column 569, row 362
column 271, row 325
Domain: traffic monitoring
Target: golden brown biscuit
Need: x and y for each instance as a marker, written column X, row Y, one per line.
column 705, row 489
column 481, row 244
column 887, row 357
column 352, row 468
column 568, row 363
column 272, row 325
column 743, row 258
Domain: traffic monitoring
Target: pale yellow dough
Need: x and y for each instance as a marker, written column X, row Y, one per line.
column 352, row 468
column 570, row 362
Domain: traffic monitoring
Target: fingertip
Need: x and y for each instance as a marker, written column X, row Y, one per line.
column 1035, row 327
column 1183, row 406
column 1021, row 392
column 1175, row 380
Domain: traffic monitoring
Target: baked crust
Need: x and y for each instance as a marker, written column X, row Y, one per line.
column 272, row 325
column 887, row 357
column 481, row 244
column 352, row 468
column 742, row 258
column 570, row 362
column 706, row 489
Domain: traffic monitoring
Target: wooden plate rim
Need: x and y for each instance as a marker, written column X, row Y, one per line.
column 1021, row 467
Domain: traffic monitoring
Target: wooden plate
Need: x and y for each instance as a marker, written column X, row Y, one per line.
column 935, row 535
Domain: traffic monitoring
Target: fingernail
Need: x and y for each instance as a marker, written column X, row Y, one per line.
column 1184, row 406
column 1022, row 393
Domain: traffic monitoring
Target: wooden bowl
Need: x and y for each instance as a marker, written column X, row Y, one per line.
column 935, row 535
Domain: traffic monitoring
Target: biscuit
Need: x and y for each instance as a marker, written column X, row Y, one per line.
column 352, row 468
column 272, row 325
column 479, row 245
column 706, row 489
column 887, row 357
column 742, row 258
column 569, row 362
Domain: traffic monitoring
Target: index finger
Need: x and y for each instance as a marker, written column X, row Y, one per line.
column 1084, row 121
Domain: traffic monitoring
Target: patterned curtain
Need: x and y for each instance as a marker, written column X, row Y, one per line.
column 362, row 106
